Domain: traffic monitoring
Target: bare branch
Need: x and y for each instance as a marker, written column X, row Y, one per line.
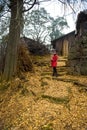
column 30, row 7
column 71, row 8
column 3, row 14
column 68, row 4
column 61, row 1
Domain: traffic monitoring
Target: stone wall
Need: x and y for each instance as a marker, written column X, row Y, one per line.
column 77, row 59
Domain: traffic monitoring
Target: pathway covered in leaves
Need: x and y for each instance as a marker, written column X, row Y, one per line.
column 42, row 102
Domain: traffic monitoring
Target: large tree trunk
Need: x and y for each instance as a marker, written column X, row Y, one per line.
column 14, row 37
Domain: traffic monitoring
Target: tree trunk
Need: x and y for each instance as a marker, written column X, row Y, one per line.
column 14, row 38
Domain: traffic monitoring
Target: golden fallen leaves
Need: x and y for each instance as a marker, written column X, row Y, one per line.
column 30, row 111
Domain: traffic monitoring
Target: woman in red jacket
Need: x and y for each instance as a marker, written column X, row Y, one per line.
column 54, row 63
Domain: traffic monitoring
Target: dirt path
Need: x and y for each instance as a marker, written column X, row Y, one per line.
column 48, row 103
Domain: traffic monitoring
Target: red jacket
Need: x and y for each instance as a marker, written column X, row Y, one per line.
column 54, row 60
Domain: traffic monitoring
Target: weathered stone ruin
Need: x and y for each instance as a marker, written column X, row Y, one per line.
column 77, row 59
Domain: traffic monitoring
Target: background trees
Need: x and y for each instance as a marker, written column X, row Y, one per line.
column 36, row 23
column 57, row 26
column 40, row 26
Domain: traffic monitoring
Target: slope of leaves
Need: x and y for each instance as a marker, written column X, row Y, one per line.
column 38, row 102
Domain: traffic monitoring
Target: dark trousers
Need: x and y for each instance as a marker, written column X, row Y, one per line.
column 55, row 71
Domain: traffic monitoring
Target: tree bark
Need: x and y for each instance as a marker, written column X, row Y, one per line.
column 14, row 38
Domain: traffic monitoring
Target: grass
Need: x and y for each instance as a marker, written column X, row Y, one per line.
column 47, row 127
column 4, row 86
column 44, row 83
column 57, row 100
column 24, row 91
column 45, row 77
column 7, row 127
column 69, row 90
column 82, row 87
column 46, row 73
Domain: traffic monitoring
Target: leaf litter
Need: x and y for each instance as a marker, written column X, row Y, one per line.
column 43, row 102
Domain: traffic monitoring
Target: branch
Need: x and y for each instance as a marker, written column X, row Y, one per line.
column 30, row 7
column 71, row 8
column 26, row 2
column 2, row 15
column 68, row 4
column 61, row 1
